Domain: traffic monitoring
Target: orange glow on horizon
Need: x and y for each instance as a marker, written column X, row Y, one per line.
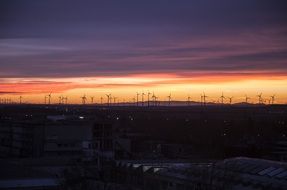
column 124, row 88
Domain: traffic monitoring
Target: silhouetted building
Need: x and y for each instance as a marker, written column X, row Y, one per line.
column 236, row 173
column 21, row 139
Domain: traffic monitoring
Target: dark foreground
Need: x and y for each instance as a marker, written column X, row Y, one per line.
column 120, row 147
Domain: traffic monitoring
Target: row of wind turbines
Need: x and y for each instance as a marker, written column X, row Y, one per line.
column 222, row 98
column 112, row 100
column 139, row 99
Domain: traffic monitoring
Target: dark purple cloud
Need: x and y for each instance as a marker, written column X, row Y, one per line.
column 96, row 38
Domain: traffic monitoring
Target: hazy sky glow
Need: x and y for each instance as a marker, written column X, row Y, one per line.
column 184, row 47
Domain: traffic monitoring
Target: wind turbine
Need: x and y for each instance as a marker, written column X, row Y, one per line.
column 188, row 100
column 169, row 99
column 222, row 97
column 92, row 99
column 49, row 98
column 230, row 99
column 201, row 99
column 260, row 100
column 115, row 98
column 60, row 99
column 156, row 102
column 84, row 98
column 154, row 99
column 138, row 99
column 134, row 101
column 272, row 98
column 246, row 99
column 148, row 94
column 108, row 99
column 204, row 98
column 63, row 100
column 143, row 94
column 66, row 100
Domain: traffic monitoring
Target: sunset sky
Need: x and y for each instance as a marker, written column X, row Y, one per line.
column 182, row 47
